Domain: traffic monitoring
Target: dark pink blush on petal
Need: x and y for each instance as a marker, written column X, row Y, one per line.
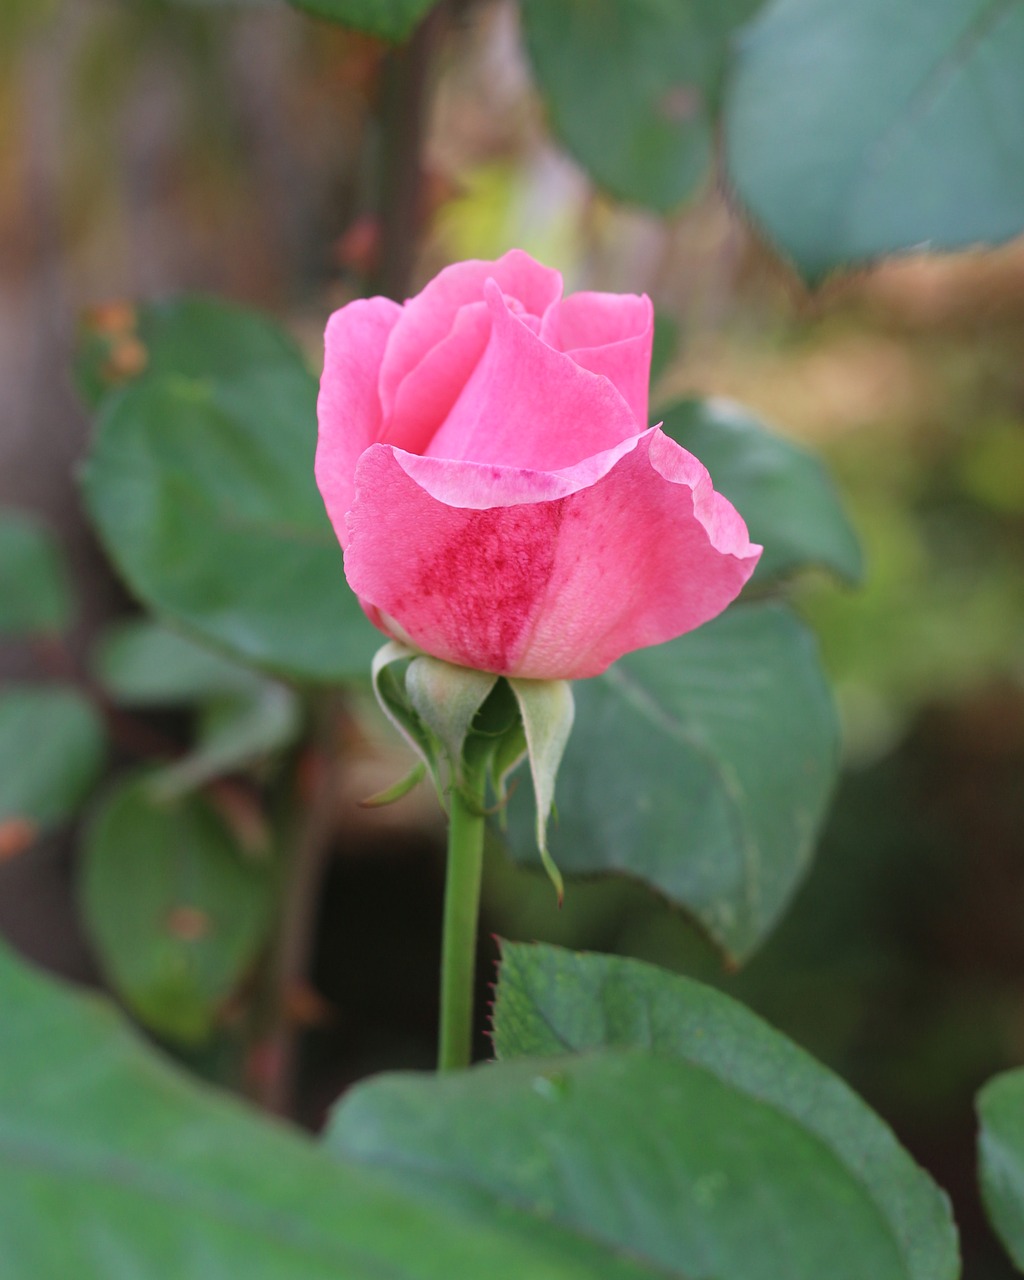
column 463, row 583
column 482, row 586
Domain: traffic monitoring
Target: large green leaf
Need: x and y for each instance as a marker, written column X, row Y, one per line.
column 51, row 751
column 637, row 1155
column 665, row 346
column 702, row 767
column 203, row 494
column 551, row 1002
column 1001, row 1158
column 143, row 663
column 631, row 87
column 190, row 335
column 245, row 716
column 113, row 1165
column 858, row 130
column 233, row 733
column 784, row 493
column 391, row 19
column 34, row 591
column 176, row 910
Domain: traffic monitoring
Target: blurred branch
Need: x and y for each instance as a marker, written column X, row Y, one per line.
column 404, row 108
column 309, row 834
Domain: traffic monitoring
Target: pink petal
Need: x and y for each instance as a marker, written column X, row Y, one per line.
column 656, row 545
column 596, row 319
column 607, row 333
column 426, row 394
column 480, row 486
column 348, row 408
column 558, row 575
column 428, row 318
column 527, row 405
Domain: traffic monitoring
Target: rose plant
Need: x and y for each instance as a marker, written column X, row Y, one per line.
column 485, row 459
column 511, row 522
column 706, row 760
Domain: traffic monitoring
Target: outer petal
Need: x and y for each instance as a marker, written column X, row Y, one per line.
column 607, row 333
column 528, row 405
column 348, row 408
column 560, row 574
column 428, row 318
column 656, row 545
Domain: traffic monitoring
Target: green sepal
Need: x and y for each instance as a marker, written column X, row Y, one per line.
column 508, row 755
column 389, row 687
column 546, row 707
column 397, row 789
column 447, row 699
column 497, row 744
column 468, row 725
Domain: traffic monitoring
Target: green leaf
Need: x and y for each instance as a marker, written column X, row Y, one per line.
column 638, row 1157
column 51, row 751
column 246, row 716
column 219, row 413
column 34, row 591
column 390, row 19
column 112, row 1165
column 203, row 494
column 858, row 130
column 193, row 336
column 177, row 912
column 702, row 767
column 631, row 87
column 551, row 1002
column 146, row 664
column 665, row 346
column 234, row 733
column 1001, row 1159
column 784, row 493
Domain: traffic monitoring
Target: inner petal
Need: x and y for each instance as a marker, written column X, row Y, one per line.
column 426, row 394
column 428, row 317
column 527, row 405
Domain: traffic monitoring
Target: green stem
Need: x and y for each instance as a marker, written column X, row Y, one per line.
column 461, row 915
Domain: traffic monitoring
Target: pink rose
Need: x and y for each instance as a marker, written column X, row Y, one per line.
column 486, row 463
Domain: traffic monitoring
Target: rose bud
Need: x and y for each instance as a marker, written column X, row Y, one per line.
column 485, row 460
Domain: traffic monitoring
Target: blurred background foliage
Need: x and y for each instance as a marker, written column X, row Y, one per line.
column 152, row 147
